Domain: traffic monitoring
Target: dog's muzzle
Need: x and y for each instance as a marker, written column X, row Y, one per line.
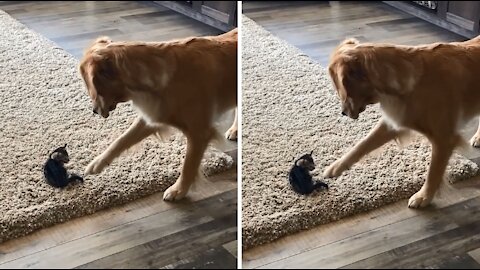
column 101, row 112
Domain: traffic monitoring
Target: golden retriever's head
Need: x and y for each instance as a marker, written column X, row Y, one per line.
column 102, row 77
column 350, row 77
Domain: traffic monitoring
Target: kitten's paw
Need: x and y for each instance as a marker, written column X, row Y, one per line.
column 335, row 169
column 420, row 199
column 174, row 193
column 231, row 134
column 96, row 166
column 475, row 140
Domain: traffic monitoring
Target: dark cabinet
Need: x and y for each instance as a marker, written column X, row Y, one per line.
column 461, row 17
column 461, row 13
column 219, row 14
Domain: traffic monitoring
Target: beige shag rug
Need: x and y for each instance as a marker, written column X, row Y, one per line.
column 289, row 109
column 43, row 106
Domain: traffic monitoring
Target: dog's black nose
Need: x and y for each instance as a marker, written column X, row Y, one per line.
column 344, row 114
column 94, row 111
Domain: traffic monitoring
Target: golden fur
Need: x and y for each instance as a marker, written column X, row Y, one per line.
column 431, row 89
column 184, row 83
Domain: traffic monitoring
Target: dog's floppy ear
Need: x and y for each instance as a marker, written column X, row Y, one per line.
column 98, row 70
column 102, row 56
column 353, row 71
column 347, row 72
column 103, row 59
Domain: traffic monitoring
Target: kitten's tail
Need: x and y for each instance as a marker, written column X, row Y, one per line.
column 319, row 185
column 74, row 177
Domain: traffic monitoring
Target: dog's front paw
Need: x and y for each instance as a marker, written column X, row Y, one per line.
column 420, row 199
column 475, row 140
column 96, row 166
column 231, row 134
column 335, row 169
column 174, row 193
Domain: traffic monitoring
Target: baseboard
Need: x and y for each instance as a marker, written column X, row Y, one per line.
column 195, row 15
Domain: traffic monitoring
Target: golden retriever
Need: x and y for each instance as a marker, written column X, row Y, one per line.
column 184, row 84
column 431, row 89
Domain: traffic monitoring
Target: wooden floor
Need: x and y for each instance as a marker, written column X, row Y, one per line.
column 74, row 25
column 199, row 232
column 316, row 27
column 446, row 234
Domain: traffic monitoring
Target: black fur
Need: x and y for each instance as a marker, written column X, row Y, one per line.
column 55, row 173
column 300, row 178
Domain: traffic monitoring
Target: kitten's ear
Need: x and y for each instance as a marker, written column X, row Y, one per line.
column 311, row 153
column 65, row 146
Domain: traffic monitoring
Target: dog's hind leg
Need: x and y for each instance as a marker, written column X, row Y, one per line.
column 475, row 140
column 196, row 146
column 380, row 134
column 231, row 133
column 138, row 131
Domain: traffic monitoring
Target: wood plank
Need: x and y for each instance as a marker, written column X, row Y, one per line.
column 47, row 13
column 164, row 251
column 276, row 5
column 16, row 11
column 206, row 260
column 436, row 248
column 429, row 252
column 459, row 262
column 105, row 243
column 89, row 36
column 151, row 17
column 4, row 4
column 369, row 243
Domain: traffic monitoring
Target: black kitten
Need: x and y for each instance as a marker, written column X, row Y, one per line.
column 54, row 171
column 300, row 177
